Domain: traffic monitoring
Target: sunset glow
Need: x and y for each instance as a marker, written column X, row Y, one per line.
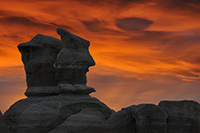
column 145, row 50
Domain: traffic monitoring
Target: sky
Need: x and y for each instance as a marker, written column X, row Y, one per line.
column 145, row 51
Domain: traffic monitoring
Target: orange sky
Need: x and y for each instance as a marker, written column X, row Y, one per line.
column 145, row 50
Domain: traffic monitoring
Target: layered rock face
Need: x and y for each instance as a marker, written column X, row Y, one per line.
column 59, row 101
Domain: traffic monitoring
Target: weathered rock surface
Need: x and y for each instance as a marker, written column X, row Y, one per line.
column 84, row 114
column 42, row 114
column 184, row 116
column 120, row 122
column 87, row 120
column 93, row 121
column 3, row 127
column 73, row 60
column 52, row 65
column 38, row 56
column 149, row 118
column 67, row 113
column 74, row 52
column 60, row 89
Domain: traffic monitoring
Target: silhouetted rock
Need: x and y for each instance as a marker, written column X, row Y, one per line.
column 38, row 56
column 184, row 116
column 3, row 127
column 42, row 114
column 73, row 61
column 149, row 118
column 86, row 121
column 92, row 120
column 74, row 53
column 120, row 122
column 52, row 65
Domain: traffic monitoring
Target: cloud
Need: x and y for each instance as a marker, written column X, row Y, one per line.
column 183, row 4
column 133, row 24
column 102, row 27
column 10, row 36
column 12, row 85
column 94, row 25
column 185, row 7
column 122, row 92
column 30, row 22
column 8, row 12
column 111, row 2
column 193, row 75
column 12, row 73
column 61, row 26
column 170, row 45
column 2, row 52
column 3, row 13
column 158, row 37
column 111, row 79
column 98, row 2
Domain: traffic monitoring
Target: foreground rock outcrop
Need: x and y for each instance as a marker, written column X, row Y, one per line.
column 184, row 116
column 58, row 99
column 42, row 114
column 149, row 118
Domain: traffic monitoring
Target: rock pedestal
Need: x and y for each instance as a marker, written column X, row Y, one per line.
column 59, row 101
column 43, row 114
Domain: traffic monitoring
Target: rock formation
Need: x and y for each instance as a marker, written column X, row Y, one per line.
column 3, row 126
column 57, row 92
column 38, row 56
column 149, row 118
column 72, row 63
column 59, row 101
column 184, row 116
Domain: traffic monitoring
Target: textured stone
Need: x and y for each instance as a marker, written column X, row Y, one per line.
column 91, row 120
column 60, row 89
column 88, row 120
column 149, row 118
column 74, row 52
column 49, row 62
column 3, row 127
column 184, row 116
column 73, row 60
column 42, row 114
column 83, row 89
column 38, row 56
column 120, row 122
column 43, row 91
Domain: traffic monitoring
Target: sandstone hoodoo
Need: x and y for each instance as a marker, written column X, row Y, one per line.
column 58, row 99
column 56, row 67
column 72, row 63
column 38, row 56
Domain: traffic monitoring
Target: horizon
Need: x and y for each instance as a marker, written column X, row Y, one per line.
column 145, row 51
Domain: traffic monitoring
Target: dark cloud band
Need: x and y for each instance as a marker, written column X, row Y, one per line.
column 133, row 24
